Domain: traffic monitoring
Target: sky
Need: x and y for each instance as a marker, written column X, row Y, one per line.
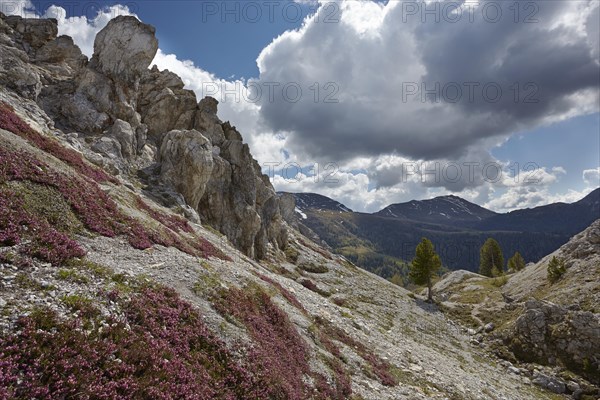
column 379, row 102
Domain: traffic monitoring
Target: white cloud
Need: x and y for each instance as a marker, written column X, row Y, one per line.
column 23, row 8
column 377, row 55
column 388, row 149
column 84, row 30
column 592, row 177
column 529, row 197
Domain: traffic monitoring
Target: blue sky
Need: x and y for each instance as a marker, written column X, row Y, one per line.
column 573, row 144
column 369, row 55
column 226, row 44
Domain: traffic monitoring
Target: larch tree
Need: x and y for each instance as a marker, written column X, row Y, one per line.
column 516, row 262
column 425, row 265
column 491, row 261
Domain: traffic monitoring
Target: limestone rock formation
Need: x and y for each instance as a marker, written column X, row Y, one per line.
column 164, row 104
column 124, row 116
column 124, row 49
column 547, row 333
column 186, row 164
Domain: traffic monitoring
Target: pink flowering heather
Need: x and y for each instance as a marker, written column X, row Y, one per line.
column 166, row 352
column 280, row 354
column 45, row 242
column 11, row 122
column 172, row 222
column 284, row 292
column 98, row 212
column 380, row 368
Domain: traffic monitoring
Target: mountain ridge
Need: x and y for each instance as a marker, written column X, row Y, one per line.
column 389, row 240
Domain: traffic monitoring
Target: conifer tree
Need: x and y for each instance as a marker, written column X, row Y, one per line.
column 425, row 265
column 516, row 262
column 556, row 269
column 491, row 258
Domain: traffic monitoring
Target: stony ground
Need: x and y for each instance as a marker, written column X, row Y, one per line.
column 432, row 356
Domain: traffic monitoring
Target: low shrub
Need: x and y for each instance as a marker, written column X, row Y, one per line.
column 11, row 122
column 284, row 292
column 291, row 254
column 313, row 268
column 273, row 334
column 160, row 349
column 500, row 281
column 43, row 241
column 380, row 368
column 312, row 286
column 94, row 208
column 173, row 222
column 556, row 269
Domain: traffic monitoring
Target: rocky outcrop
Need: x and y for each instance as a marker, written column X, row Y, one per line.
column 164, row 104
column 550, row 334
column 124, row 49
column 239, row 200
column 125, row 117
column 186, row 163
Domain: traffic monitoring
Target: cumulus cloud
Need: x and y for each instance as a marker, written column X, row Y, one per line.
column 23, row 8
column 529, row 197
column 362, row 116
column 382, row 60
column 592, row 177
column 532, row 189
column 82, row 29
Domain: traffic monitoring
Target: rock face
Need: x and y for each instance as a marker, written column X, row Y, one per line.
column 547, row 333
column 126, row 117
column 186, row 164
column 124, row 49
column 239, row 200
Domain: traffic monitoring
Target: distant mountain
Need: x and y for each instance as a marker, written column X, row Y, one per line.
column 313, row 201
column 552, row 218
column 384, row 241
column 440, row 210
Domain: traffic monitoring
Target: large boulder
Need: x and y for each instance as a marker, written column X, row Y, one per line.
column 124, row 49
column 61, row 50
column 107, row 88
column 186, row 164
column 550, row 334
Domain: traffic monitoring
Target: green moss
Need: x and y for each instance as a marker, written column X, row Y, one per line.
column 207, row 285
column 500, row 281
column 97, row 270
column 27, row 282
column 43, row 317
column 84, row 305
column 205, row 264
column 71, row 275
column 120, row 278
column 313, row 268
column 291, row 254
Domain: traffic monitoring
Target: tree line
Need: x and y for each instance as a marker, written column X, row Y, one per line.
column 426, row 264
